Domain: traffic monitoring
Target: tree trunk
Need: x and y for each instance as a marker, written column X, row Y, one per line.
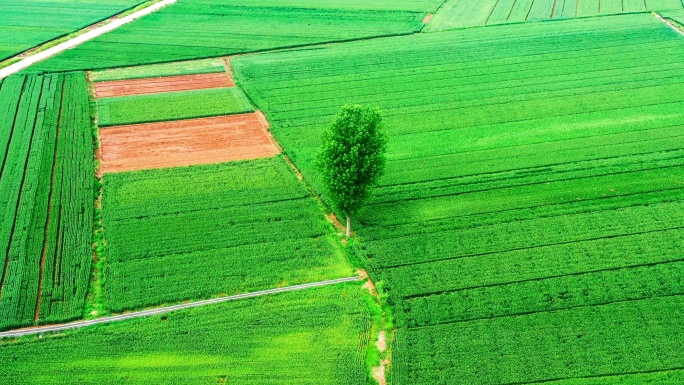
column 348, row 226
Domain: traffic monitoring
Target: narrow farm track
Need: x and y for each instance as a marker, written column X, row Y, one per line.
column 78, row 40
column 167, row 309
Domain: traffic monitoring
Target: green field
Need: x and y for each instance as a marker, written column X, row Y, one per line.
column 317, row 336
column 171, row 106
column 477, row 13
column 529, row 227
column 194, row 232
column 204, row 66
column 46, row 198
column 28, row 23
column 193, row 29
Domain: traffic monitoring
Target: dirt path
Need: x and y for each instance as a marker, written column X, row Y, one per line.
column 161, row 84
column 167, row 309
column 379, row 372
column 78, row 40
column 185, row 142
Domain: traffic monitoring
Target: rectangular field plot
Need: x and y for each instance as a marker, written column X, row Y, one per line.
column 46, row 198
column 185, row 142
column 115, row 88
column 310, row 337
column 167, row 106
column 187, row 233
column 535, row 177
column 193, row 67
column 29, row 23
column 477, row 13
column 195, row 29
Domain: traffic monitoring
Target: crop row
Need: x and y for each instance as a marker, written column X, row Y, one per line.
column 194, row 232
column 46, row 192
column 316, row 336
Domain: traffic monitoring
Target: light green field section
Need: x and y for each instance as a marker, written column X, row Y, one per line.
column 171, row 106
column 677, row 16
column 159, row 70
column 196, row 29
column 28, row 23
column 195, row 232
column 477, row 13
column 317, row 336
column 529, row 226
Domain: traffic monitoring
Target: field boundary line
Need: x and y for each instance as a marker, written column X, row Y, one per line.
column 591, row 376
column 557, row 310
column 78, row 40
column 168, row 309
column 668, row 23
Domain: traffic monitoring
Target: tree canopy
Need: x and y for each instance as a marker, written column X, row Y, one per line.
column 352, row 158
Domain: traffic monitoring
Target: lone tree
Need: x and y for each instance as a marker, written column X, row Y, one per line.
column 352, row 158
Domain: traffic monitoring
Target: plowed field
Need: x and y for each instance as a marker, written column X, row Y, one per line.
column 185, row 142
column 161, row 84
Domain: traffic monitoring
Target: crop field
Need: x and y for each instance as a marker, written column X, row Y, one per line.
column 46, row 191
column 529, row 227
column 316, row 336
column 195, row 29
column 677, row 16
column 186, row 233
column 171, row 106
column 205, row 66
column 477, row 13
column 28, row 23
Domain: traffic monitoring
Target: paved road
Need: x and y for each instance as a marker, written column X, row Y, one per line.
column 162, row 310
column 78, row 40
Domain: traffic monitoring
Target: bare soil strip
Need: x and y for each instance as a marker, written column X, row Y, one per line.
column 185, row 142
column 161, row 84
column 166, row 309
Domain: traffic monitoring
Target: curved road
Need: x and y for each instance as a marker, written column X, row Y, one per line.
column 167, row 309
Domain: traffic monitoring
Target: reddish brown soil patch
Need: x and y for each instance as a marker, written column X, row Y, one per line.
column 427, row 18
column 163, row 84
column 185, row 142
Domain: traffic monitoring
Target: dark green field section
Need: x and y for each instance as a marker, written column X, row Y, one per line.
column 29, row 23
column 46, row 198
column 194, row 232
column 193, row 29
column 530, row 224
column 317, row 336
column 171, row 106
column 478, row 13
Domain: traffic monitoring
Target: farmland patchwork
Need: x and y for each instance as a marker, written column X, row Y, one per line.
column 558, row 179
